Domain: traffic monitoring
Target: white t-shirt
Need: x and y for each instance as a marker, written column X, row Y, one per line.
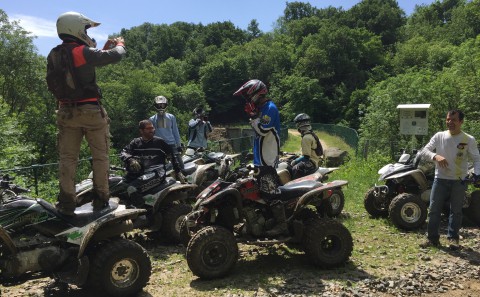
column 458, row 150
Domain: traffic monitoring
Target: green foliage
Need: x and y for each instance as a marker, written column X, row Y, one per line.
column 349, row 67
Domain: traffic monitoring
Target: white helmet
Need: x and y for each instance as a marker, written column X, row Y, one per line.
column 160, row 103
column 75, row 24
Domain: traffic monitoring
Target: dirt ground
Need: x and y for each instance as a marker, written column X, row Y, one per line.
column 263, row 271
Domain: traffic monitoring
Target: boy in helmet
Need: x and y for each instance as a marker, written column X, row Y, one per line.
column 166, row 127
column 80, row 113
column 198, row 129
column 265, row 121
column 311, row 148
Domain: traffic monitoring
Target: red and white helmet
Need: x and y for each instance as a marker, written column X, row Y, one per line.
column 252, row 90
column 76, row 24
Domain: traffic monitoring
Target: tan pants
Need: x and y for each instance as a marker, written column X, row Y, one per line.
column 73, row 124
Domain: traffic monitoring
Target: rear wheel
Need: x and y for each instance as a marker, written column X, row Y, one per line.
column 473, row 211
column 374, row 206
column 212, row 252
column 172, row 218
column 337, row 199
column 327, row 243
column 119, row 268
column 408, row 211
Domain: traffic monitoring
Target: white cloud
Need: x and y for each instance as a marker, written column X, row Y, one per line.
column 37, row 26
column 46, row 28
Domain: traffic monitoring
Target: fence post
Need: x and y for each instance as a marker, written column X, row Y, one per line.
column 35, row 177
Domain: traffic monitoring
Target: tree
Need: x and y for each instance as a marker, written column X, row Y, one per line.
column 253, row 29
column 381, row 17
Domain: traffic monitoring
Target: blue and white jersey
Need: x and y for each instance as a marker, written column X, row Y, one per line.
column 166, row 128
column 266, row 145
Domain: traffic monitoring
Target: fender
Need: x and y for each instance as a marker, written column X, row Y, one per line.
column 199, row 176
column 229, row 191
column 306, row 198
column 416, row 174
column 159, row 197
column 82, row 236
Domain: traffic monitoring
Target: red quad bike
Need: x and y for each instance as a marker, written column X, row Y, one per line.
column 337, row 199
column 86, row 250
column 228, row 213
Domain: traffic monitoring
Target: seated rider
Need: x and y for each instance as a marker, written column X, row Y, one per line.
column 311, row 148
column 147, row 151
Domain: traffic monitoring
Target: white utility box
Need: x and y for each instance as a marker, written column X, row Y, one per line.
column 413, row 119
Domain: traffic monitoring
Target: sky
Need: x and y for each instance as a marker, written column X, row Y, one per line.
column 39, row 16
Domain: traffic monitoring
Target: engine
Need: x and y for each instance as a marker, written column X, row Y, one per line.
column 32, row 257
column 257, row 221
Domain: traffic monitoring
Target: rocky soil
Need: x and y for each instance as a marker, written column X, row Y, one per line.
column 281, row 272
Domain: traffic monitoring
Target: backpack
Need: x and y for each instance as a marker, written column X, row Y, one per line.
column 319, row 149
column 61, row 78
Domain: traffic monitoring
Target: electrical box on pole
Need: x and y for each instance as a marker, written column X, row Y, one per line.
column 413, row 119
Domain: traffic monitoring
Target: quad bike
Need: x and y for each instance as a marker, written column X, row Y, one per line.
column 228, row 213
column 405, row 196
column 406, row 192
column 164, row 199
column 8, row 188
column 337, row 198
column 86, row 250
column 204, row 171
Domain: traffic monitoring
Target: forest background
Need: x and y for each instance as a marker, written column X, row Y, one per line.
column 345, row 67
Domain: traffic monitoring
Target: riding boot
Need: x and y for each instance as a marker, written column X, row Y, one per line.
column 281, row 228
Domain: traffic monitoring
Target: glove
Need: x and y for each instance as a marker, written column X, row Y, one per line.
column 134, row 166
column 181, row 178
column 180, row 149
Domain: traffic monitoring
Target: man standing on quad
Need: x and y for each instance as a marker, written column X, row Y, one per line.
column 311, row 148
column 265, row 121
column 450, row 150
column 146, row 151
column 71, row 78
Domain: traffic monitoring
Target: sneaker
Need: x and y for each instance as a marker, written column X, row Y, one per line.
column 453, row 244
column 430, row 243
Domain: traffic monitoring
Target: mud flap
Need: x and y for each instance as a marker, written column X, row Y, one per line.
column 79, row 276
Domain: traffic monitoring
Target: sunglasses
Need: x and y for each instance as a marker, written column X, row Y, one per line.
column 161, row 105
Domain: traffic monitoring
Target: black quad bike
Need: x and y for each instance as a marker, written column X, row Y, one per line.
column 164, row 199
column 405, row 194
column 86, row 250
column 228, row 213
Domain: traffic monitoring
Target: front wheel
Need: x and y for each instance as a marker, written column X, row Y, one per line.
column 212, row 252
column 408, row 211
column 374, row 206
column 119, row 268
column 327, row 243
column 172, row 219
